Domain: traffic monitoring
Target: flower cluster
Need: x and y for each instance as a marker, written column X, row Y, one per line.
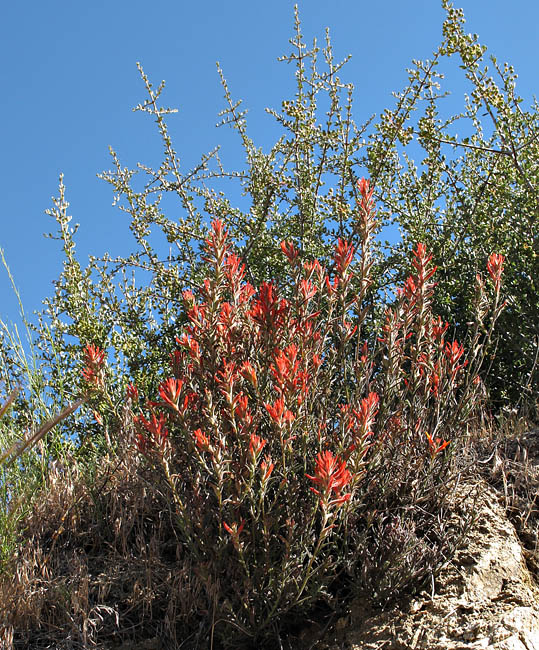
column 94, row 371
column 270, row 400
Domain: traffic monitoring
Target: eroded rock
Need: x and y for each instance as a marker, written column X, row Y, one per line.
column 486, row 599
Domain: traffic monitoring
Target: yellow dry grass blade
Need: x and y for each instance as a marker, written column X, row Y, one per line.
column 9, row 401
column 21, row 446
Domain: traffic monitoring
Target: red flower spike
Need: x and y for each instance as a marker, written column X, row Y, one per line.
column 437, row 445
column 268, row 310
column 256, row 444
column 344, row 254
column 218, row 227
column 188, row 297
column 266, row 467
column 434, row 380
column 286, row 369
column 247, row 372
column 363, row 186
column 418, row 287
column 226, row 378
column 495, row 268
column 189, row 343
column 94, row 358
column 439, row 329
column 234, row 530
column 420, row 263
column 315, row 268
column 216, row 244
column 201, row 440
column 366, row 205
column 453, row 351
column 369, row 407
column 170, row 391
column 307, row 289
column 156, row 428
column 132, row 393
column 278, row 412
column 143, row 444
column 330, row 476
column 247, row 291
column 241, row 412
column 235, row 270
column 410, row 288
column 290, row 252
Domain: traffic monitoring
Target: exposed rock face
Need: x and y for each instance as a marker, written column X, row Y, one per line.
column 487, row 598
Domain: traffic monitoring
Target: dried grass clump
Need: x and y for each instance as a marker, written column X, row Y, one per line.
column 99, row 565
column 514, row 471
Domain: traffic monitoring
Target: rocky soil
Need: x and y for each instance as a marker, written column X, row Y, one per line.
column 488, row 596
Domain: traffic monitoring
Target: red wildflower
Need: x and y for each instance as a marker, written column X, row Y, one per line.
column 278, row 412
column 307, row 289
column 344, row 254
column 247, row 372
column 247, row 291
column 266, row 467
column 216, row 242
column 201, row 440
column 235, row 270
column 268, row 310
column 189, row 343
column 234, row 531
column 454, row 351
column 332, row 286
column 285, row 368
column 364, row 188
column 437, row 445
column 156, row 428
column 495, row 268
column 142, row 443
column 241, row 411
column 331, row 476
column 256, row 444
column 132, row 393
column 367, row 412
column 94, row 358
column 94, row 355
column 226, row 316
column 409, row 289
column 170, row 391
column 188, row 297
column 290, row 252
column 418, row 285
column 314, row 268
column 439, row 329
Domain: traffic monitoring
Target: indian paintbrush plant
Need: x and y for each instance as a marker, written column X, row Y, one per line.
column 287, row 446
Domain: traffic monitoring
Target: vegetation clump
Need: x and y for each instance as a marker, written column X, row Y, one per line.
column 276, row 418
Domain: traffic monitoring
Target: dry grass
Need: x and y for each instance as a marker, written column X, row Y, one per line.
column 515, row 473
column 98, row 565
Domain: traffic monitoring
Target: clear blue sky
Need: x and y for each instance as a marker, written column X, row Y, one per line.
column 69, row 82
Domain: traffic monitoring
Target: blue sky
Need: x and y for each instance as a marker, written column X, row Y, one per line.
column 69, row 81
